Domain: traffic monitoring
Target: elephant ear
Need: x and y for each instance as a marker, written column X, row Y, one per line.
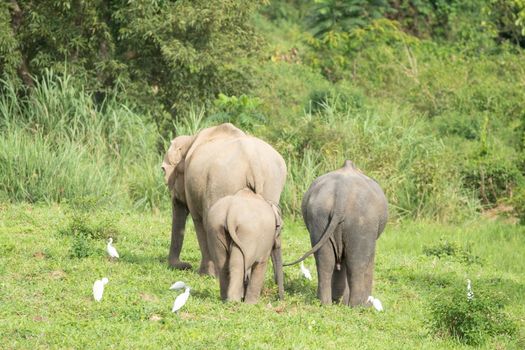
column 226, row 130
column 174, row 158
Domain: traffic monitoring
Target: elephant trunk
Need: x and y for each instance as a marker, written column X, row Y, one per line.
column 277, row 262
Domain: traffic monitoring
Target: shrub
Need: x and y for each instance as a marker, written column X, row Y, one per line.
column 491, row 168
column 87, row 225
column 470, row 321
column 81, row 247
column 243, row 111
column 452, row 249
column 328, row 16
column 518, row 202
column 84, row 227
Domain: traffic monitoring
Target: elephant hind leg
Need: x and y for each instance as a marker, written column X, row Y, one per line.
column 236, row 275
column 325, row 261
column 224, row 276
column 360, row 271
column 256, row 282
column 340, row 290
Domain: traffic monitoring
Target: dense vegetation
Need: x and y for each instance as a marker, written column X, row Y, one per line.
column 427, row 97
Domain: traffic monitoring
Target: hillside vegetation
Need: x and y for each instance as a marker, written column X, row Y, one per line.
column 426, row 97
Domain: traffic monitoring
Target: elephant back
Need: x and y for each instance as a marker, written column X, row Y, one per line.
column 223, row 131
column 223, row 166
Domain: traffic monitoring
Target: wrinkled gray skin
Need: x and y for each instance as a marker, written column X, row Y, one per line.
column 345, row 211
column 242, row 231
column 216, row 162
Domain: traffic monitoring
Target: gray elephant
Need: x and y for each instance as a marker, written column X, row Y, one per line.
column 216, row 162
column 242, row 231
column 345, row 211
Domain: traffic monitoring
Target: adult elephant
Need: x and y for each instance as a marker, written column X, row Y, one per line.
column 345, row 212
column 216, row 162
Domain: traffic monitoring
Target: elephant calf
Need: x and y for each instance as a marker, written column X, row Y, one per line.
column 242, row 231
column 345, row 211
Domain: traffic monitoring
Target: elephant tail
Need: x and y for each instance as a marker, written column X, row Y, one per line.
column 335, row 220
column 232, row 231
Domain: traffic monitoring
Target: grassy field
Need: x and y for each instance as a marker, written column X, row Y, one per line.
column 47, row 303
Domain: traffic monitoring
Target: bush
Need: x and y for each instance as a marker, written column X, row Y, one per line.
column 518, row 202
column 470, row 321
column 451, row 249
column 85, row 224
column 243, row 111
column 491, row 168
column 84, row 227
column 81, row 247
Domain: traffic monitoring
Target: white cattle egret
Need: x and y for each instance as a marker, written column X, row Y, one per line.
column 181, row 300
column 112, row 252
column 98, row 288
column 178, row 285
column 306, row 272
column 376, row 303
column 470, row 293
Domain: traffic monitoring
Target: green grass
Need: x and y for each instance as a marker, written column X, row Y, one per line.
column 47, row 303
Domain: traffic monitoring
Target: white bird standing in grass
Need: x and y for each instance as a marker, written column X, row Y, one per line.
column 375, row 302
column 98, row 288
column 470, row 293
column 306, row 272
column 178, row 285
column 112, row 251
column 181, row 300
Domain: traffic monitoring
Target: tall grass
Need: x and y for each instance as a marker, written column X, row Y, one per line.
column 58, row 144
column 388, row 144
column 32, row 169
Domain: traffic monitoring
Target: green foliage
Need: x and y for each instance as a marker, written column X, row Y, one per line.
column 243, row 111
column 57, row 144
column 509, row 19
column 470, row 321
column 329, row 16
column 168, row 54
column 419, row 94
column 286, row 90
column 85, row 228
column 335, row 53
column 87, row 225
column 453, row 250
column 9, row 56
column 518, row 202
column 81, row 247
column 387, row 144
column 340, row 98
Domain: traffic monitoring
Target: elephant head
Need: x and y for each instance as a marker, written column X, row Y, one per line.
column 182, row 148
column 173, row 166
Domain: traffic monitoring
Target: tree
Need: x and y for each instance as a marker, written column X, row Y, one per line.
column 343, row 15
column 167, row 55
